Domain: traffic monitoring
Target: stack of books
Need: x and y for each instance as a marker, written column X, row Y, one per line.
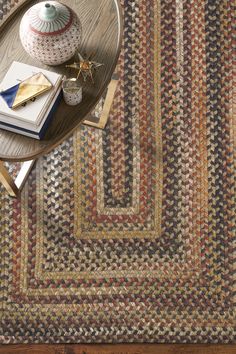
column 31, row 118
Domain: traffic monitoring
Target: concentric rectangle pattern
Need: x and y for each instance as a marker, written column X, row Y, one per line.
column 127, row 234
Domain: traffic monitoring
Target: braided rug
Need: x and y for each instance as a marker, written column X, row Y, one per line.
column 126, row 234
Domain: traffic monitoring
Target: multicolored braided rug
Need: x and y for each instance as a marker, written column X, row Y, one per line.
column 126, row 234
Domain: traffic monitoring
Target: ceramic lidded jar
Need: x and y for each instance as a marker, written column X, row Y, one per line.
column 50, row 32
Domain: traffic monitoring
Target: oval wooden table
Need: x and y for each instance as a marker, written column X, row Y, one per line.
column 102, row 30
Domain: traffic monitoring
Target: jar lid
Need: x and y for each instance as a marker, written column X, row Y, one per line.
column 49, row 17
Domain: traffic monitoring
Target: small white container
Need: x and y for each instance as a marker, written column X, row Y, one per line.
column 72, row 91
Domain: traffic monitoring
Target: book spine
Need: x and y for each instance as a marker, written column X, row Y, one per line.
column 50, row 116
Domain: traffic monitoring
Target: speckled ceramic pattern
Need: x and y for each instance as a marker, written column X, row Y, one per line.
column 72, row 98
column 54, row 41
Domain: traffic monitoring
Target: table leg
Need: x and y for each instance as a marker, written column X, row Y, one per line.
column 111, row 90
column 14, row 186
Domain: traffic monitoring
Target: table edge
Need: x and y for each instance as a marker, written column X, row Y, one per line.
column 46, row 150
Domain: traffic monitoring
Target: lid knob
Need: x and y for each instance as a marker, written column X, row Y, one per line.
column 48, row 12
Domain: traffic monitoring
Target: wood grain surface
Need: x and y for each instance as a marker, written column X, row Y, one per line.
column 102, row 31
column 119, row 349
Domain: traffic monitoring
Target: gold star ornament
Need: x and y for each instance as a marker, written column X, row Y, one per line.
column 85, row 67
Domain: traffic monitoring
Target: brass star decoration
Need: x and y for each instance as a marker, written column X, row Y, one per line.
column 85, row 67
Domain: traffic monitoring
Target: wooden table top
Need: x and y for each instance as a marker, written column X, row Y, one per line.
column 102, row 30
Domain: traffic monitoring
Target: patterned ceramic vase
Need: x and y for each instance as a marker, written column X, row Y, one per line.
column 50, row 32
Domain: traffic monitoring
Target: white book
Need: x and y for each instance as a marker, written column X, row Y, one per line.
column 31, row 115
column 15, row 130
column 34, row 133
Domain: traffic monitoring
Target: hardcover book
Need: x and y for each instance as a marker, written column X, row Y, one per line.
column 31, row 115
column 38, row 132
